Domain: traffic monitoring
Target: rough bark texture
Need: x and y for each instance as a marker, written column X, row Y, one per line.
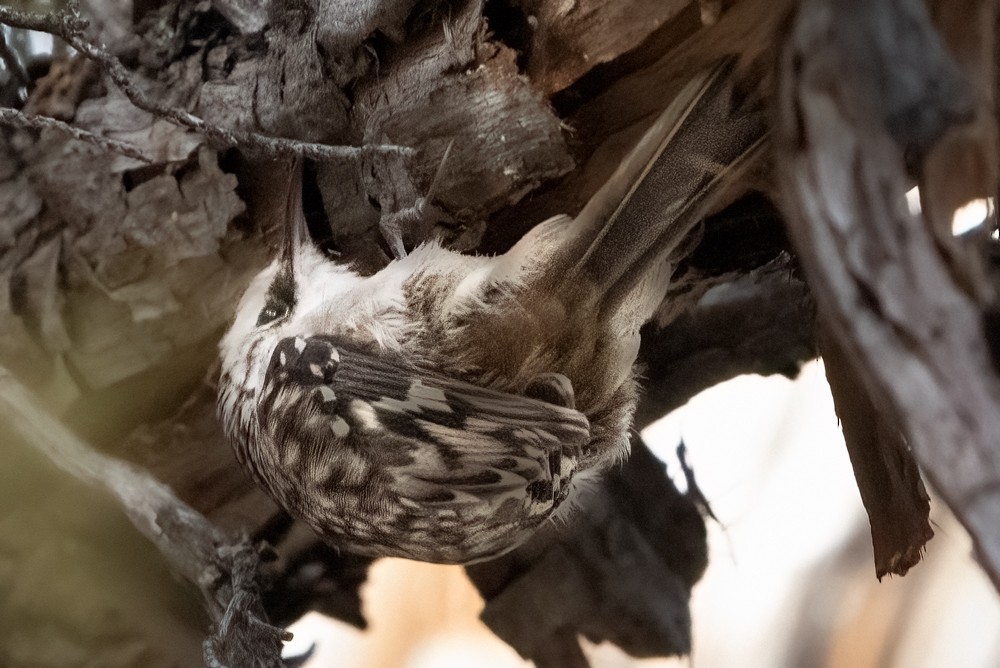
column 867, row 89
column 117, row 276
column 628, row 564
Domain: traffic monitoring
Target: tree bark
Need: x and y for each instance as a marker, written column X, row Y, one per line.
column 866, row 91
column 123, row 252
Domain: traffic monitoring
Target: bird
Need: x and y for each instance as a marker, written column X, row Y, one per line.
column 445, row 407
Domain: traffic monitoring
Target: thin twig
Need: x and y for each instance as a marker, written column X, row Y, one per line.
column 20, row 119
column 69, row 25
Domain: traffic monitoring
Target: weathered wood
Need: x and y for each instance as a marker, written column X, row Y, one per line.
column 910, row 324
column 891, row 489
column 608, row 122
column 567, row 40
column 762, row 323
column 116, row 279
column 961, row 166
column 223, row 566
column 628, row 562
column 122, row 276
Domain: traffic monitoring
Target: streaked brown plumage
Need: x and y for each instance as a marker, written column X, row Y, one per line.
column 440, row 409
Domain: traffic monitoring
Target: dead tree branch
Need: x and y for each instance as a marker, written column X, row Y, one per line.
column 762, row 323
column 621, row 572
column 865, row 91
column 70, row 26
column 20, row 119
column 224, row 567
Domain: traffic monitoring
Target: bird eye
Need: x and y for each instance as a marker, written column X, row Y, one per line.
column 272, row 311
column 280, row 299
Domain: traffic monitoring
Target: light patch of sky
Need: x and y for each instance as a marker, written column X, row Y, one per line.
column 40, row 42
column 971, row 215
column 769, row 454
column 966, row 217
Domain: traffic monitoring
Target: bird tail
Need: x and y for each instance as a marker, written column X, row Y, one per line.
column 700, row 143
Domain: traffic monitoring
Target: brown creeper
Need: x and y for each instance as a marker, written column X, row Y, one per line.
column 439, row 409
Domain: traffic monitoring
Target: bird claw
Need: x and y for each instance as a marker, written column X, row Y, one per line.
column 553, row 388
column 392, row 232
column 391, row 224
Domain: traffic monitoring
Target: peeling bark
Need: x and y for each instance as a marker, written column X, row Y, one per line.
column 117, row 277
column 866, row 90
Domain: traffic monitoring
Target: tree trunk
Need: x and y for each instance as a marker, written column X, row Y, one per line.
column 119, row 274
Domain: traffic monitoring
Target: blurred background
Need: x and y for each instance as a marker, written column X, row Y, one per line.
column 790, row 580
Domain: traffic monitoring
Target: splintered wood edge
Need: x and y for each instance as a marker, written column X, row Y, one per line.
column 884, row 287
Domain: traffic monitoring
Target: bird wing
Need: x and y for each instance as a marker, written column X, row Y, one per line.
column 442, row 440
